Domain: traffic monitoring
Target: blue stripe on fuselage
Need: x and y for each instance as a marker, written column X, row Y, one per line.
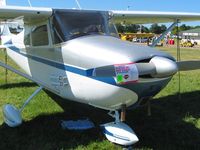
column 87, row 73
column 106, row 132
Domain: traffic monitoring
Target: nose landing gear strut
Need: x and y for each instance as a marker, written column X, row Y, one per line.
column 117, row 131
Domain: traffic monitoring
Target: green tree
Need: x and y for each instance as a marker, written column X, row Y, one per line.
column 120, row 28
column 145, row 29
column 132, row 28
column 183, row 27
column 155, row 28
column 163, row 28
column 196, row 27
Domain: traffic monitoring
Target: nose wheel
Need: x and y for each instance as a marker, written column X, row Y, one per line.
column 118, row 132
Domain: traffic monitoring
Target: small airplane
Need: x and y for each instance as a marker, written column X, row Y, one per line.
column 5, row 34
column 78, row 55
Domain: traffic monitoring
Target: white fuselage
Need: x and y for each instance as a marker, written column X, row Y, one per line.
column 64, row 67
column 72, row 85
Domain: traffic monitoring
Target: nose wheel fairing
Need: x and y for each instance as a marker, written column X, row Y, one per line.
column 118, row 132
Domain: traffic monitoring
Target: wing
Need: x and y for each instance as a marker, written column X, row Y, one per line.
column 34, row 14
column 28, row 14
column 188, row 65
column 146, row 17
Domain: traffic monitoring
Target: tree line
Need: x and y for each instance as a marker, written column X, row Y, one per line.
column 154, row 28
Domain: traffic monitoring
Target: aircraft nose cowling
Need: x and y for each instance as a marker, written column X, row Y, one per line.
column 164, row 67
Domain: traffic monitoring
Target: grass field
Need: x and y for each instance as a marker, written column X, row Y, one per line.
column 174, row 124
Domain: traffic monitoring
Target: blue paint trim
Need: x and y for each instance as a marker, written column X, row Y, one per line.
column 87, row 73
column 8, row 42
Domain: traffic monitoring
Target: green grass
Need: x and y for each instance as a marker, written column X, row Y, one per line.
column 174, row 124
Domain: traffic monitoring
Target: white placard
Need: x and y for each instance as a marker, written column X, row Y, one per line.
column 126, row 73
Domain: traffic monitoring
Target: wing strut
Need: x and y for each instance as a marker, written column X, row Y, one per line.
column 6, row 61
column 164, row 34
column 18, row 72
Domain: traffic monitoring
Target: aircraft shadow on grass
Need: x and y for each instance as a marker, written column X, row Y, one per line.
column 165, row 129
column 17, row 85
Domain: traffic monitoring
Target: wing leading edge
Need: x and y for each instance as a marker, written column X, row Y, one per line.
column 146, row 17
column 37, row 14
column 29, row 14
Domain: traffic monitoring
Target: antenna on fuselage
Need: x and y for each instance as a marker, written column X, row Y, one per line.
column 29, row 2
column 78, row 4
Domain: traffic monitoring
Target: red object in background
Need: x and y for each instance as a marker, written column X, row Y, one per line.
column 169, row 41
column 172, row 41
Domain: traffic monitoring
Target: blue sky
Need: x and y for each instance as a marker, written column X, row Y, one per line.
column 157, row 5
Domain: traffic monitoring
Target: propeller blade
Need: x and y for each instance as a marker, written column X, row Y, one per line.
column 188, row 65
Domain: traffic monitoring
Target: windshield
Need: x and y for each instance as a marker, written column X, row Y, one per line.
column 72, row 24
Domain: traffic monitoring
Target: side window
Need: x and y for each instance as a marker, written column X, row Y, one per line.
column 40, row 36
